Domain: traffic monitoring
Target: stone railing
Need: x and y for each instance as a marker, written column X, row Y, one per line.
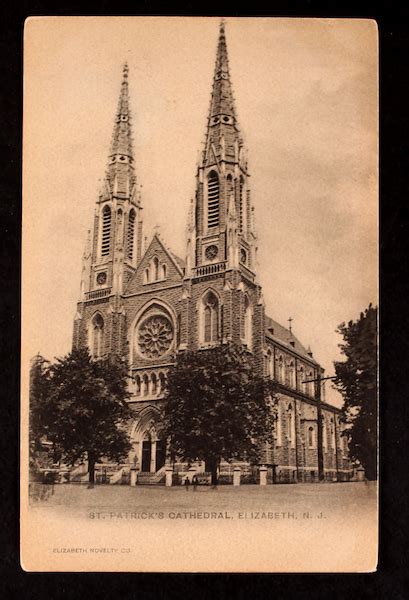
column 209, row 269
column 97, row 294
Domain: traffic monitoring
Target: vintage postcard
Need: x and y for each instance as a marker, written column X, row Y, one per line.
column 200, row 291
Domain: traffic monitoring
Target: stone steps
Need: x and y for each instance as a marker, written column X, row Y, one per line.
column 157, row 478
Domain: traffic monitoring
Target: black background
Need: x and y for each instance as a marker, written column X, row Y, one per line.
column 391, row 579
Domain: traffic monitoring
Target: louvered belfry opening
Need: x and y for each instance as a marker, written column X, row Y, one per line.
column 106, row 231
column 131, row 232
column 213, row 205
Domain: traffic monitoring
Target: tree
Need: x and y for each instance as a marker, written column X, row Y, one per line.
column 38, row 391
column 80, row 406
column 217, row 407
column 356, row 380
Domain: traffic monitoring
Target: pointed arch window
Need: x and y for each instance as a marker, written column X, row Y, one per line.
column 97, row 337
column 162, row 382
column 279, row 427
column 301, row 378
column 230, row 187
column 147, row 275
column 291, row 425
column 119, row 226
column 145, row 385
column 210, row 318
column 213, row 200
column 280, row 369
column 324, row 434
column 163, row 270
column 138, row 385
column 310, row 384
column 333, row 439
column 154, row 384
column 248, row 322
column 155, row 263
column 270, row 370
column 290, row 374
column 131, row 234
column 106, row 231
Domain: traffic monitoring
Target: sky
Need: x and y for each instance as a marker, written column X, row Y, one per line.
column 306, row 93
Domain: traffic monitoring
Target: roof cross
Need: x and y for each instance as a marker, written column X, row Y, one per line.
column 290, row 320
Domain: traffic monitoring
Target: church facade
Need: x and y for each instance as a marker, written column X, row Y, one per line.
column 146, row 304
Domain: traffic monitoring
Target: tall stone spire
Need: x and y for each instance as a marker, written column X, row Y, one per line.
column 223, row 207
column 117, row 232
column 120, row 175
column 222, row 137
column 222, row 98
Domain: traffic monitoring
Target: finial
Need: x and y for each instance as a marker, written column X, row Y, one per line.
column 157, row 230
column 222, row 24
column 125, row 71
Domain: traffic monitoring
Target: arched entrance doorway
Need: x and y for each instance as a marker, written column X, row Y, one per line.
column 150, row 448
column 153, row 452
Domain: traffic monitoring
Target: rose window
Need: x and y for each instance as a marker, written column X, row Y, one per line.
column 155, row 336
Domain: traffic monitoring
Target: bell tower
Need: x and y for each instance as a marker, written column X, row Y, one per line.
column 115, row 247
column 223, row 221
column 223, row 299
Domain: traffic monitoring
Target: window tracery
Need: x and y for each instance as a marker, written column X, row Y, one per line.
column 97, row 336
column 210, row 318
column 155, row 336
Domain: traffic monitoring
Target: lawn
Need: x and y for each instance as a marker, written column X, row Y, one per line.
column 298, row 527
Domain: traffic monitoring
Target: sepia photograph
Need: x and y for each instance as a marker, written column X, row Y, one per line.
column 199, row 372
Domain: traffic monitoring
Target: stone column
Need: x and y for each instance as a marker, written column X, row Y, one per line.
column 192, row 471
column 236, row 475
column 169, row 474
column 360, row 474
column 153, row 456
column 263, row 475
column 134, row 473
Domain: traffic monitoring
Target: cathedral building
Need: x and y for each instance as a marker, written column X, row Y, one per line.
column 146, row 304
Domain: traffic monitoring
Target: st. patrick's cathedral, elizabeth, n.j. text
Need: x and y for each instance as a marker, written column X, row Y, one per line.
column 143, row 302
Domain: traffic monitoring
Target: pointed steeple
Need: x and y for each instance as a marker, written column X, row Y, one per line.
column 117, row 233
column 222, row 102
column 223, row 208
column 222, row 135
column 120, row 172
column 121, row 137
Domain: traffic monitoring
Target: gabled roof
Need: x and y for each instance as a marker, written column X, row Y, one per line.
column 179, row 261
column 156, row 247
column 284, row 336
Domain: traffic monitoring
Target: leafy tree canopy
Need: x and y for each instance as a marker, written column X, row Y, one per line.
column 217, row 406
column 356, row 380
column 80, row 406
